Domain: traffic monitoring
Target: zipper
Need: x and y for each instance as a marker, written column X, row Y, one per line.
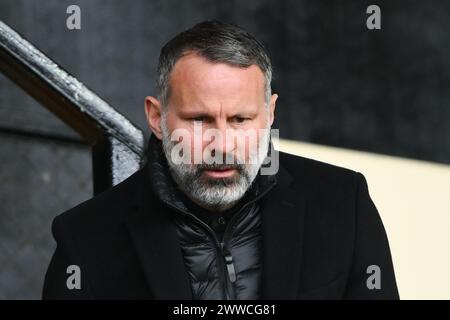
column 217, row 246
column 226, row 234
column 230, row 266
column 224, row 256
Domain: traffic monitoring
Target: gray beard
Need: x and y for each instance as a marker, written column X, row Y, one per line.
column 211, row 193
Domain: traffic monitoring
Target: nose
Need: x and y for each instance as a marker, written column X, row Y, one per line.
column 223, row 144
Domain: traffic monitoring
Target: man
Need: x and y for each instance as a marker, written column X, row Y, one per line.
column 218, row 228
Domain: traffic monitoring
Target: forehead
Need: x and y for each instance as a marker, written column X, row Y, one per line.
column 195, row 79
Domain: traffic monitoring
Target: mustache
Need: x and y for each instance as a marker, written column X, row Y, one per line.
column 224, row 182
column 218, row 166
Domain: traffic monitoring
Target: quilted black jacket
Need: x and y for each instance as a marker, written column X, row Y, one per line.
column 320, row 233
column 221, row 265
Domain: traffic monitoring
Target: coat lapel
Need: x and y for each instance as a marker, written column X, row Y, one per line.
column 283, row 211
column 155, row 240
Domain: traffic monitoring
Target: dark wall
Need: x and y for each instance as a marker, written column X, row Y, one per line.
column 340, row 84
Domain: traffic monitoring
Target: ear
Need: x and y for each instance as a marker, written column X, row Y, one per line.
column 153, row 114
column 272, row 103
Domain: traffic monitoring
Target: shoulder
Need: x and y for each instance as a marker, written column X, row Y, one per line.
column 314, row 174
column 104, row 211
column 331, row 192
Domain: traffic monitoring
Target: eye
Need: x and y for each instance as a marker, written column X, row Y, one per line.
column 199, row 118
column 241, row 119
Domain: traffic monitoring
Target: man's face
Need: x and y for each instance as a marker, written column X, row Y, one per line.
column 230, row 103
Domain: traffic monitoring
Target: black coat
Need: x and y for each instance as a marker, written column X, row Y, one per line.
column 320, row 233
column 221, row 250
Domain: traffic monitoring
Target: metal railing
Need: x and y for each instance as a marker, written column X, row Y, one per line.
column 117, row 144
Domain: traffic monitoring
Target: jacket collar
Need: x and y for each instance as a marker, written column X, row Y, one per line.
column 154, row 236
column 282, row 236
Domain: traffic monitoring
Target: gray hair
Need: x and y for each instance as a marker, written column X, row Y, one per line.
column 217, row 42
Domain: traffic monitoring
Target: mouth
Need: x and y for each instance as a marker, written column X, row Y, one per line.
column 220, row 173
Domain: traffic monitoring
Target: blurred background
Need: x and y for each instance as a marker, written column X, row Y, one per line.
column 376, row 101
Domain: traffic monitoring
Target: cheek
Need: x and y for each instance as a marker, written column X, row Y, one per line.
column 263, row 120
column 247, row 143
column 173, row 122
column 182, row 135
column 178, row 128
